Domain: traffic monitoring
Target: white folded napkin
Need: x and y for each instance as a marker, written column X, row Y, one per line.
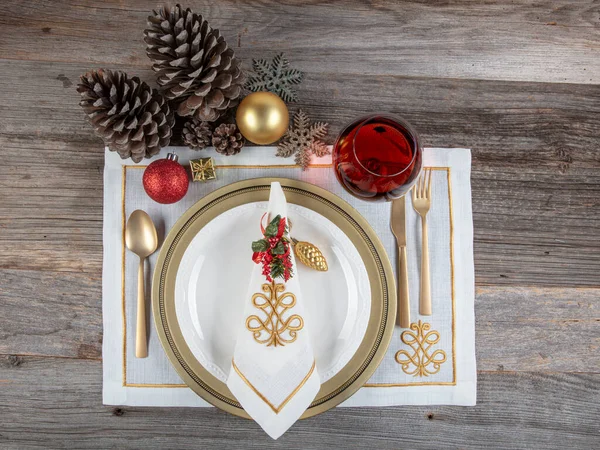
column 273, row 373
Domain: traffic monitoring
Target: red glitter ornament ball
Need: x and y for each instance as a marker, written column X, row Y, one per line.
column 166, row 181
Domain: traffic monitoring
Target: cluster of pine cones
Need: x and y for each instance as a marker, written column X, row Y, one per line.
column 199, row 77
column 225, row 138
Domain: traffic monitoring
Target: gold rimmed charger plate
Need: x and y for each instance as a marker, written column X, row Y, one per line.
column 383, row 306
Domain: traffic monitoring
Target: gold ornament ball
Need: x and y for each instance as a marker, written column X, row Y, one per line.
column 262, row 118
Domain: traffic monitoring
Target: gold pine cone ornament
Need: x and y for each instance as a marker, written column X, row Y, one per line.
column 310, row 255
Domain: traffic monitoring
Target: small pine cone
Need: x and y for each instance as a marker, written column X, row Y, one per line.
column 197, row 134
column 132, row 118
column 196, row 68
column 310, row 255
column 227, row 139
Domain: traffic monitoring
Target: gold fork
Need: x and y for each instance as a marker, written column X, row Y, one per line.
column 421, row 198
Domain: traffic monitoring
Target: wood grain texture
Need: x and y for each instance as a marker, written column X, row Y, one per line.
column 523, row 41
column 537, row 329
column 56, row 403
column 54, row 314
column 517, row 82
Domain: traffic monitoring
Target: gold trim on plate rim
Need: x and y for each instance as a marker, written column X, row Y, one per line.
column 381, row 276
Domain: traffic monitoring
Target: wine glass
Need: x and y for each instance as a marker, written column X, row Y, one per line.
column 378, row 157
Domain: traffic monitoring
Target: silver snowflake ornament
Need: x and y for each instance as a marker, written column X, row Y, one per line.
column 303, row 140
column 276, row 77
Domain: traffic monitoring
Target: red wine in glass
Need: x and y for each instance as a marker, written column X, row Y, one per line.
column 377, row 157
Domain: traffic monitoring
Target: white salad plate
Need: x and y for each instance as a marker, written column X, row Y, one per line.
column 213, row 278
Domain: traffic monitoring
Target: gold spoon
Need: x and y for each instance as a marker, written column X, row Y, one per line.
column 141, row 239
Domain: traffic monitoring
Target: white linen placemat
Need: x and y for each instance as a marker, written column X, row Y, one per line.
column 432, row 363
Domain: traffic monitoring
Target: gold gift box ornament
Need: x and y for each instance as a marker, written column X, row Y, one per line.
column 203, row 169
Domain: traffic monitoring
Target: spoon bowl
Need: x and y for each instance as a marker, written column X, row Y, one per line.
column 140, row 234
column 141, row 238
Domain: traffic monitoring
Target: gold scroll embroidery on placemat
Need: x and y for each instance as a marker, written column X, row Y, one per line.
column 418, row 364
column 274, row 329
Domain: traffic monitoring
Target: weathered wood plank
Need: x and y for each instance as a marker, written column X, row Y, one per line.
column 45, row 313
column 536, row 182
column 536, row 329
column 541, row 41
column 533, row 123
column 517, row 329
column 56, row 403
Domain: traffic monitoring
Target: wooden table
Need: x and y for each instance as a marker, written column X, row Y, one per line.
column 517, row 82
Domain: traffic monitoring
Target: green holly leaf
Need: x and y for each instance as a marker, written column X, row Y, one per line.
column 279, row 249
column 272, row 228
column 260, row 246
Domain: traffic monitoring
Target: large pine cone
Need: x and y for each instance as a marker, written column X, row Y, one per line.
column 227, row 139
column 197, row 134
column 132, row 118
column 193, row 63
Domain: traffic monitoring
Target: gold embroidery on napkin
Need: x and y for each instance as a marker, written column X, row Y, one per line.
column 421, row 343
column 274, row 329
column 276, row 409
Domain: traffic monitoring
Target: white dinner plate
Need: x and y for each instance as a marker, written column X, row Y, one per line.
column 203, row 271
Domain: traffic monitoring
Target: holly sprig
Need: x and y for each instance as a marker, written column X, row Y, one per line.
column 273, row 250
